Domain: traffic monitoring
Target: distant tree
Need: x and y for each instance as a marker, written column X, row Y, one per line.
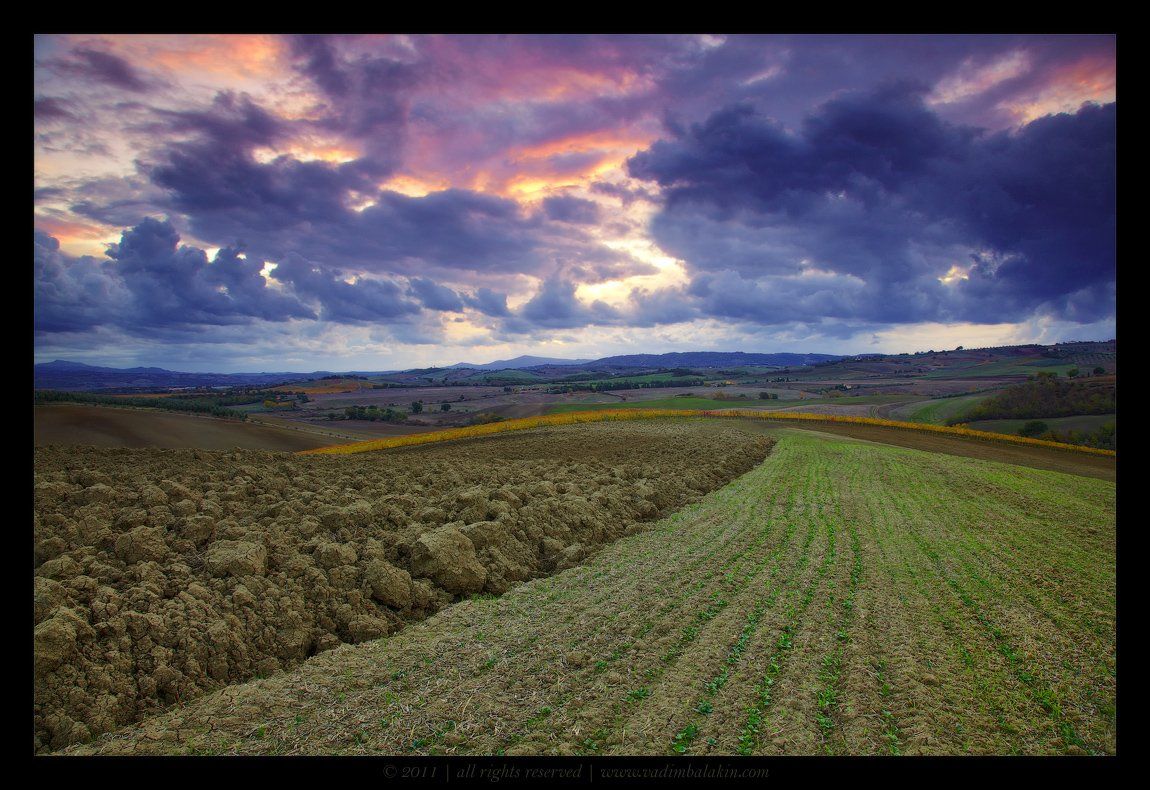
column 1033, row 428
column 416, row 406
column 445, row 407
column 764, row 396
column 1072, row 373
column 1099, row 371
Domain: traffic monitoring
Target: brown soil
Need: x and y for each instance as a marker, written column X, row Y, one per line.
column 105, row 426
column 163, row 574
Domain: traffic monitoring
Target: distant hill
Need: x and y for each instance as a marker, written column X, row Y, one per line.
column 63, row 375
column 524, row 361
column 714, row 359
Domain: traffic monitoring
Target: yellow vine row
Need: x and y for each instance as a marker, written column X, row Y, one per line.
column 609, row 415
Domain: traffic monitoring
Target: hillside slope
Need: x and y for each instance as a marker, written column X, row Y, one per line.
column 842, row 597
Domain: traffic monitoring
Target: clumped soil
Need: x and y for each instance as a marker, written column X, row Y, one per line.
column 163, row 574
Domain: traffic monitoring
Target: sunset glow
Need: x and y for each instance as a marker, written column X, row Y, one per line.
column 418, row 196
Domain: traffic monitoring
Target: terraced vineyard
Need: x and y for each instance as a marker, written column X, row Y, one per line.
column 843, row 597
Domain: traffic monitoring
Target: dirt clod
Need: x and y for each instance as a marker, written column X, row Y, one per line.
column 164, row 574
column 236, row 558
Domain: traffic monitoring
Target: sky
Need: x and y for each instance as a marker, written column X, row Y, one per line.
column 374, row 202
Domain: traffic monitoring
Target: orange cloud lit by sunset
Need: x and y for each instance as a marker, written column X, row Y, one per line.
column 1069, row 87
column 75, row 237
column 223, row 57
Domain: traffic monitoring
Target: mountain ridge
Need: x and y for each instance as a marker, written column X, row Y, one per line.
column 67, row 375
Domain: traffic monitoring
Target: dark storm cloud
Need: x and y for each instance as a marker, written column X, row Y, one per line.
column 150, row 281
column 488, row 302
column 174, row 284
column 71, row 294
column 317, row 60
column 361, row 301
column 434, row 296
column 237, row 195
column 283, row 205
column 233, row 121
column 859, row 213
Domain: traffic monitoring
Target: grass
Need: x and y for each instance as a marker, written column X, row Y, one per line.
column 729, row 412
column 842, row 597
column 1080, row 423
column 1006, row 367
column 939, row 410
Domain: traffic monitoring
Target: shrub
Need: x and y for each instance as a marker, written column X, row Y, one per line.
column 1033, row 429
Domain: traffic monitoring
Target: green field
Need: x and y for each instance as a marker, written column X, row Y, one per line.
column 938, row 410
column 843, row 597
column 1081, row 423
column 1007, row 367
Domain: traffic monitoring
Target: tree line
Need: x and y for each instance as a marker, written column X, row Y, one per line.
column 1044, row 396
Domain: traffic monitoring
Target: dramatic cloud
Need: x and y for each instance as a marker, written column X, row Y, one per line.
column 384, row 195
column 555, row 306
column 879, row 210
column 435, row 296
column 148, row 281
column 489, row 302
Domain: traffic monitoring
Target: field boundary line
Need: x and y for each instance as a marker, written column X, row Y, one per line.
column 613, row 415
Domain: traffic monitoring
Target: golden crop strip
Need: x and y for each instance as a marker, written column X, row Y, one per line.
column 609, row 415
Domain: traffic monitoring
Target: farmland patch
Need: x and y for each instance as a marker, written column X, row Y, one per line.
column 843, row 597
column 162, row 574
